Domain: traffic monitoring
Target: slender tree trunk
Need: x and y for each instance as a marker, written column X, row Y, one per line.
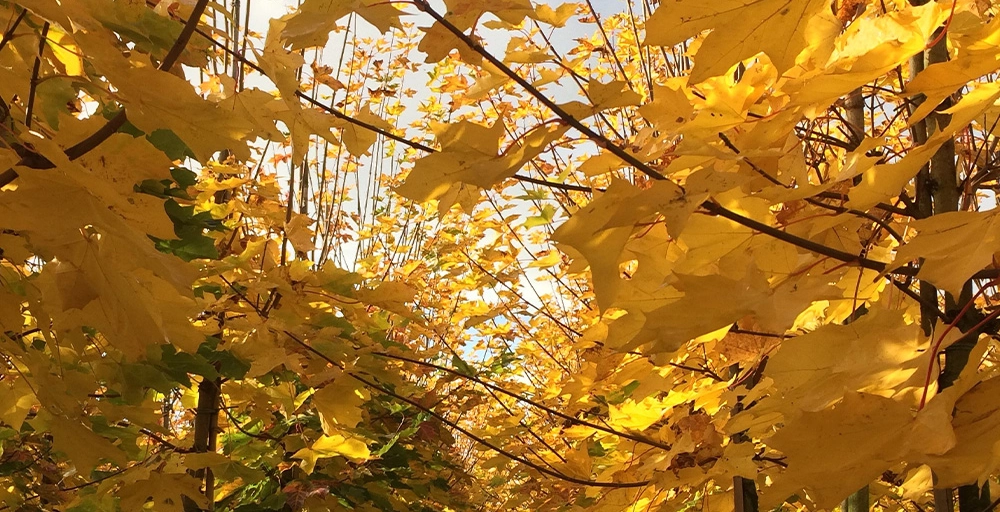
column 943, row 173
column 924, row 200
column 744, row 495
column 925, row 208
column 973, row 499
column 857, row 502
column 206, row 426
column 854, row 110
column 946, row 198
column 745, row 489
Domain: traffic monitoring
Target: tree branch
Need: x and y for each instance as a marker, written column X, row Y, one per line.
column 545, row 100
column 33, row 85
column 36, row 161
column 620, row 152
column 549, row 410
column 9, row 33
column 466, row 432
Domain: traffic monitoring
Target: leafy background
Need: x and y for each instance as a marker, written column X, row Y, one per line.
column 367, row 255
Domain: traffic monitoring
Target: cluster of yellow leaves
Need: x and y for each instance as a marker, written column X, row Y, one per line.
column 662, row 275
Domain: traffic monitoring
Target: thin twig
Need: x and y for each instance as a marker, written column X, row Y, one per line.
column 466, row 432
column 709, row 206
column 33, row 85
column 554, row 412
column 9, row 33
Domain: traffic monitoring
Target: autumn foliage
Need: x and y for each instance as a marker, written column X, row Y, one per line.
column 504, row 255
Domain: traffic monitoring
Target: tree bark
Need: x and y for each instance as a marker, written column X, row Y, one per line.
column 854, row 110
column 206, row 426
column 857, row 502
column 946, row 198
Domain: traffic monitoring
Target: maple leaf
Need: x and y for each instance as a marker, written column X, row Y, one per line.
column 741, row 29
column 166, row 492
column 315, row 19
column 582, row 237
column 860, row 440
column 339, row 404
column 954, row 246
column 646, row 253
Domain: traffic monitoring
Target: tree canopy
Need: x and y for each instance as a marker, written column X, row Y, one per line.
column 727, row 255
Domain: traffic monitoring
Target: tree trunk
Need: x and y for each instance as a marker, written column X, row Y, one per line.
column 946, row 198
column 854, row 109
column 745, row 489
column 857, row 502
column 206, row 426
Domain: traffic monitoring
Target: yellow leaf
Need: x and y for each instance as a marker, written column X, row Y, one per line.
column 874, row 46
column 670, row 326
column 222, row 466
column 390, row 295
column 437, row 42
column 11, row 318
column 340, row 404
column 556, row 17
column 108, row 273
column 637, row 415
column 305, row 123
column 578, row 461
column 954, row 245
column 14, row 248
column 741, row 29
column 665, row 198
column 975, row 58
column 66, row 51
column 123, row 161
column 551, row 259
column 159, row 100
column 164, row 491
column 85, row 448
column 474, row 320
column 359, row 140
column 332, row 446
column 264, row 354
column 546, row 76
column 583, row 236
column 469, row 156
column 16, row 401
column 884, row 181
column 917, row 483
column 879, row 353
column 298, row 233
column 488, row 82
column 600, row 164
column 614, row 94
column 834, row 452
column 671, row 108
column 311, row 25
column 523, row 57
column 259, row 108
column 976, row 422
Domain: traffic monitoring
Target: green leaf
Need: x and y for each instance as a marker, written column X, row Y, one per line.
column 462, row 366
column 171, row 145
column 181, row 363
column 544, row 218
